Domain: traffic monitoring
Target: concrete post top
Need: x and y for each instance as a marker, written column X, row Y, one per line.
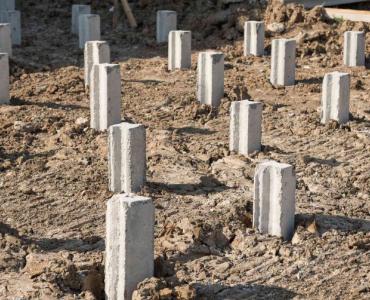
column 355, row 32
column 284, row 40
column 214, row 55
column 125, row 125
column 4, row 25
column 247, row 102
column 80, row 5
column 338, row 74
column 109, row 66
column 3, row 54
column 89, row 16
column 273, row 164
column 130, row 199
column 254, row 22
column 181, row 31
column 166, row 12
column 96, row 42
column 211, row 53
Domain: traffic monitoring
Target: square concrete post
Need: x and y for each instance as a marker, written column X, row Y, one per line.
column 245, row 126
column 126, row 157
column 4, row 78
column 129, row 246
column 78, row 10
column 105, row 96
column 7, row 4
column 89, row 29
column 254, row 37
column 96, row 52
column 354, row 48
column 283, row 62
column 274, row 199
column 5, row 39
column 210, row 80
column 335, row 97
column 13, row 17
column 179, row 50
column 166, row 22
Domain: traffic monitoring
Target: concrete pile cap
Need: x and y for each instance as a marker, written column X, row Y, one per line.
column 338, row 73
column 5, row 40
column 129, row 253
column 95, row 52
column 127, row 125
column 335, row 97
column 355, row 32
column 245, row 126
column 165, row 22
column 166, row 12
column 213, row 52
column 109, row 66
column 179, row 49
column 181, row 31
column 285, row 40
column 273, row 163
column 216, row 55
column 4, row 78
column 254, row 22
column 88, row 16
column 126, row 157
column 274, row 199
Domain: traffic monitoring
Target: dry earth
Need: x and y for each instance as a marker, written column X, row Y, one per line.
column 53, row 168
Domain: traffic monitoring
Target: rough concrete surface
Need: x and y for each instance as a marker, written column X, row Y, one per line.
column 4, row 78
column 129, row 255
column 13, row 17
column 126, row 157
column 5, row 39
column 179, row 50
column 95, row 52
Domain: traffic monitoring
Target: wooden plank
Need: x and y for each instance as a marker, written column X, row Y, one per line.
column 312, row 3
column 129, row 14
column 349, row 14
column 115, row 13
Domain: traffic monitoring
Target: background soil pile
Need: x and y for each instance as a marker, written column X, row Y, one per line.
column 54, row 168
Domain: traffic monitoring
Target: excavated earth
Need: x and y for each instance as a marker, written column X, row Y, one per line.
column 53, row 167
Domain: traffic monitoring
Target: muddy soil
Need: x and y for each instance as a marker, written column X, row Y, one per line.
column 53, row 167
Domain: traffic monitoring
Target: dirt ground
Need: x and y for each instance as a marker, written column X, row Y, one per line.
column 53, row 167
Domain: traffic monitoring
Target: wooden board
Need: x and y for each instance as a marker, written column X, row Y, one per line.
column 312, row 3
column 349, row 14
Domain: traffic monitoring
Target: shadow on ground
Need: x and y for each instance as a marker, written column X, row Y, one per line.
column 53, row 105
column 93, row 243
column 311, row 80
column 242, row 291
column 6, row 229
column 192, row 130
column 332, row 222
column 207, row 185
column 329, row 162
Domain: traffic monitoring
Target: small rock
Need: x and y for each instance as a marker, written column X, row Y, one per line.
column 221, row 268
column 82, row 121
column 185, row 292
column 276, row 27
column 36, row 265
column 165, row 293
column 22, row 126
